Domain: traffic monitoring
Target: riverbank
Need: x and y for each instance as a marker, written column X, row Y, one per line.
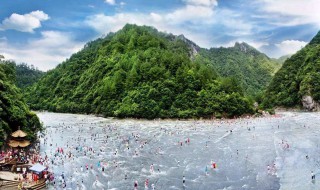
column 262, row 115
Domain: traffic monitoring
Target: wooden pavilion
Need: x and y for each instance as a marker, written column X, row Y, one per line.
column 18, row 140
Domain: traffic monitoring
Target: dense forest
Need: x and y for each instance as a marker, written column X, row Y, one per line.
column 26, row 75
column 298, row 77
column 14, row 112
column 254, row 70
column 142, row 73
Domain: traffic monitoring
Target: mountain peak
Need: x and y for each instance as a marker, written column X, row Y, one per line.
column 194, row 48
column 244, row 47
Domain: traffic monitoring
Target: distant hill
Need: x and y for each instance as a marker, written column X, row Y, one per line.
column 27, row 75
column 14, row 112
column 297, row 83
column 142, row 73
column 253, row 69
column 282, row 59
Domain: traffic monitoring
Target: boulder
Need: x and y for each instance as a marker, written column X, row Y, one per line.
column 309, row 104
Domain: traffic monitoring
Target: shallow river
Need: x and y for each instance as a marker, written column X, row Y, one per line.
column 289, row 144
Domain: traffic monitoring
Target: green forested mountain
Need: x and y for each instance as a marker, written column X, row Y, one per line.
column 298, row 77
column 138, row 72
column 27, row 75
column 253, row 69
column 14, row 112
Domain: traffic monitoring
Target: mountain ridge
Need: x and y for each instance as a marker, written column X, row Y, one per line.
column 138, row 72
column 253, row 69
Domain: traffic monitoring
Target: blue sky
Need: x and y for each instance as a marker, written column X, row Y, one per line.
column 46, row 32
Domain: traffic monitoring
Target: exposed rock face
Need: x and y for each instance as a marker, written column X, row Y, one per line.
column 242, row 46
column 194, row 48
column 309, row 104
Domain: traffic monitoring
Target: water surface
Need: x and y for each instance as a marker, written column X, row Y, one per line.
column 242, row 156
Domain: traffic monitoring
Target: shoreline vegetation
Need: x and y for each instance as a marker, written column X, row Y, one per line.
column 297, row 82
column 14, row 112
column 261, row 115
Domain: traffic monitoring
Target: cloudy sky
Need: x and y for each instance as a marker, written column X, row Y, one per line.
column 46, row 32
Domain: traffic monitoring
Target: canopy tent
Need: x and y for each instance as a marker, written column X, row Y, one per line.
column 21, row 144
column 37, row 168
column 19, row 133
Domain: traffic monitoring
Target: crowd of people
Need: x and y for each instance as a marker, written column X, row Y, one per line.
column 95, row 155
column 19, row 161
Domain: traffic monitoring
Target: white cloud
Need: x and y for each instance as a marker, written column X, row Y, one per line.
column 290, row 46
column 234, row 22
column 24, row 23
column 190, row 13
column 45, row 53
column 202, row 2
column 299, row 11
column 110, row 2
column 184, row 20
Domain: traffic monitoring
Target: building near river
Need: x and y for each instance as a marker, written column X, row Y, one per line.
column 20, row 163
column 16, row 154
column 18, row 139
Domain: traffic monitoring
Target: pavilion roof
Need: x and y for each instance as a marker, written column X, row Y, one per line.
column 22, row 144
column 19, row 133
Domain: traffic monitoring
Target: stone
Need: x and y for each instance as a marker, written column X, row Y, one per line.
column 309, row 104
